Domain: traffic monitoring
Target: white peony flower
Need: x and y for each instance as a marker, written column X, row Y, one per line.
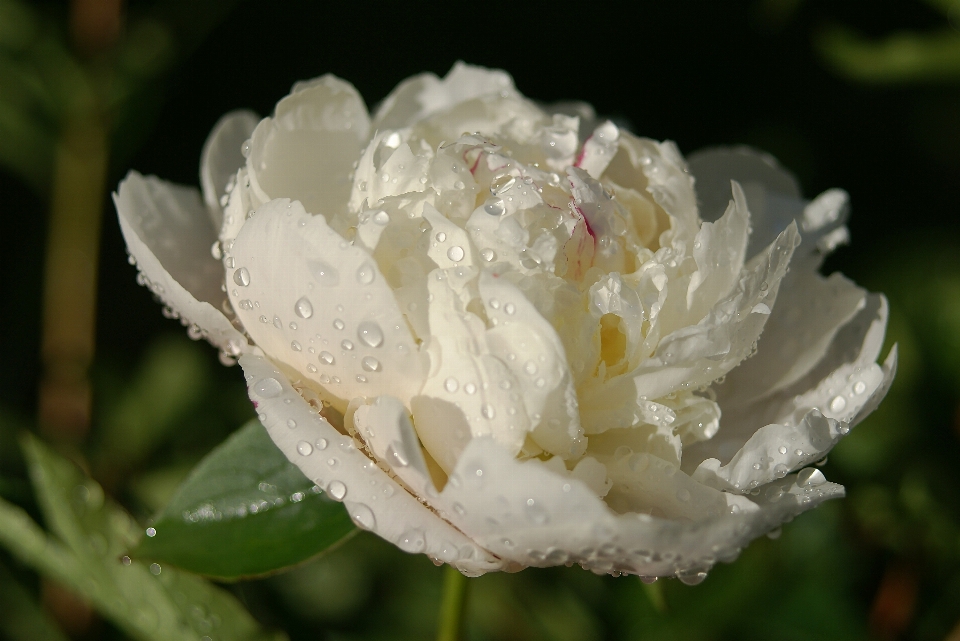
column 507, row 335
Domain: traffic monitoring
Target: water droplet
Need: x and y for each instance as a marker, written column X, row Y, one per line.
column 361, row 378
column 381, row 218
column 488, row 412
column 370, row 364
column 292, row 424
column 859, row 387
column 366, row 273
column 268, row 388
column 151, row 532
column 683, row 495
column 245, row 148
column 810, row 477
column 337, row 490
column 326, row 358
column 494, row 207
column 363, row 516
column 303, row 307
column 780, row 470
column 338, row 324
column 470, row 388
column 241, row 277
column 455, row 253
column 346, row 345
column 321, row 444
column 370, row 334
column 325, row 274
column 155, row 569
column 295, row 346
column 395, row 455
column 782, row 449
column 535, row 512
column 441, row 237
column 509, row 308
column 488, row 255
column 412, row 541
column 304, row 448
column 838, row 404
column 451, row 384
column 691, row 578
column 530, row 368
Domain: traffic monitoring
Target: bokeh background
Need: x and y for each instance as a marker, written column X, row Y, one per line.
column 863, row 95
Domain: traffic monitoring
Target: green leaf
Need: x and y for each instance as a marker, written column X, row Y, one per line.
column 150, row 603
column 245, row 511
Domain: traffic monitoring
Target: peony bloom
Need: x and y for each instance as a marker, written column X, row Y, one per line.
column 511, row 335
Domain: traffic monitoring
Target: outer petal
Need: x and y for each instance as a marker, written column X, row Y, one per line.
column 421, row 96
column 222, row 156
column 169, row 234
column 307, row 150
column 526, row 513
column 374, row 500
column 314, row 302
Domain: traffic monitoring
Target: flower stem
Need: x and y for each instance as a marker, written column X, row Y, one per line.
column 451, row 607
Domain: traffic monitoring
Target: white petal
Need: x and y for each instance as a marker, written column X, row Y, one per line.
column 320, row 305
column 222, row 156
column 599, row 149
column 719, row 250
column 522, row 339
column 526, row 513
column 420, row 96
column 772, row 192
column 469, row 393
column 307, row 149
column 332, row 461
column 169, row 233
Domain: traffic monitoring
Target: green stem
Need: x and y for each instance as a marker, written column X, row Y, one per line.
column 451, row 607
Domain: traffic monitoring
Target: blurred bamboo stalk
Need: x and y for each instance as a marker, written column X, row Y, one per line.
column 73, row 242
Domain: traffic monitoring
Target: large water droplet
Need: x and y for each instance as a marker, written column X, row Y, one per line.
column 412, row 541
column 337, row 490
column 838, row 404
column 441, row 237
column 304, row 448
column 295, row 346
column 488, row 255
column 363, row 516
column 241, row 277
column 370, row 334
column 326, row 358
column 268, row 388
column 810, row 477
column 455, row 253
column 370, row 364
column 691, row 578
column 381, row 217
column 366, row 273
column 325, row 274
column 494, row 207
column 303, row 307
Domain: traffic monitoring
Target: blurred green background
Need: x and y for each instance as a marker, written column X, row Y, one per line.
column 863, row 95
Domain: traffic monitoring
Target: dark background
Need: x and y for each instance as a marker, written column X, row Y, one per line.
column 699, row 73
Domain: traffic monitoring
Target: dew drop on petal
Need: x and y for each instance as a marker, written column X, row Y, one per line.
column 324, row 273
column 412, row 541
column 268, row 388
column 810, row 477
column 303, row 307
column 395, row 455
column 509, row 308
column 455, row 253
column 859, row 387
column 295, row 346
column 370, row 364
column 321, row 443
column 362, row 516
column 470, row 388
column 535, row 512
column 366, row 273
column 451, row 385
column 304, row 448
column 370, row 334
column 337, row 490
column 338, row 324
column 782, row 449
column 488, row 255
column 241, row 277
column 326, row 358
column 488, row 412
column 292, row 424
column 381, row 218
column 838, row 404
